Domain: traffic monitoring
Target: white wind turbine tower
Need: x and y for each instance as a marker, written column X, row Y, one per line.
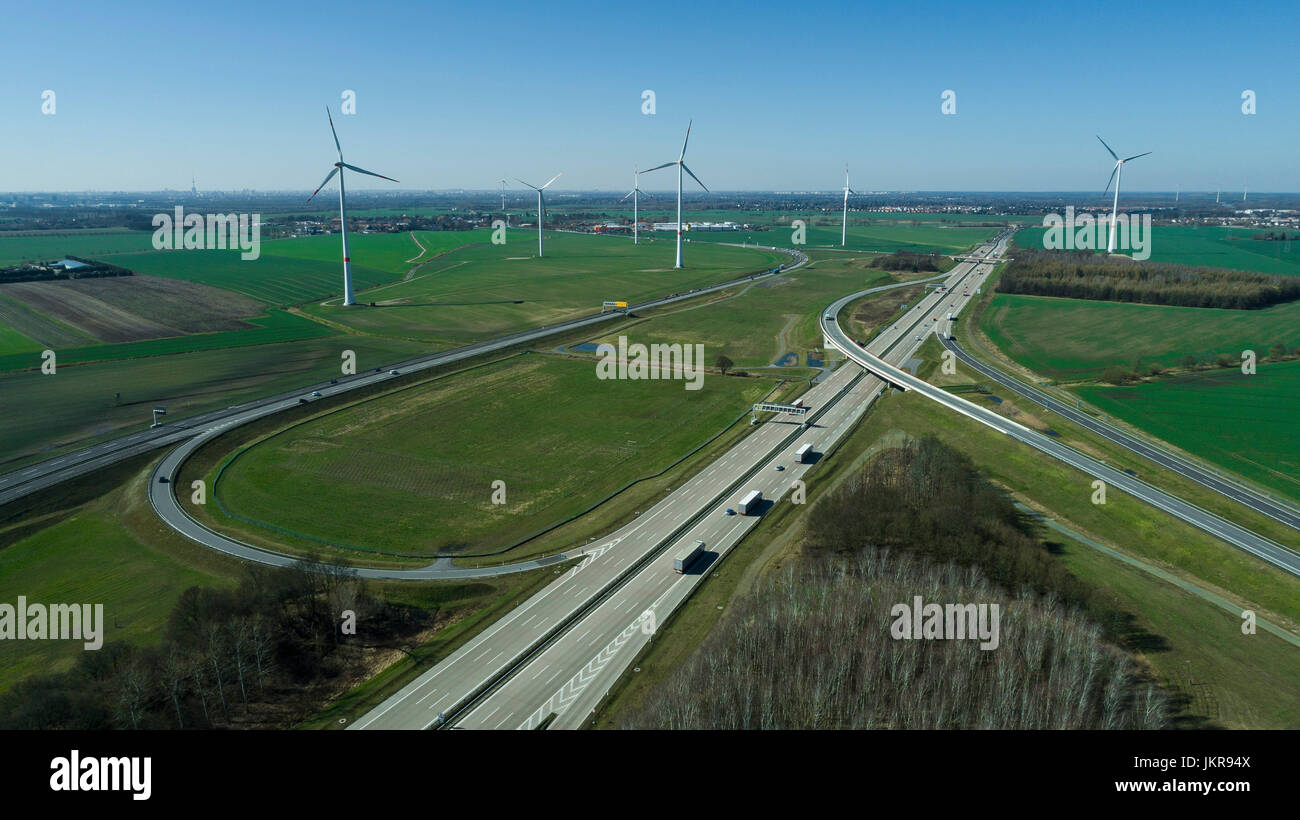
column 844, row 230
column 503, row 202
column 634, row 193
column 343, row 207
column 541, row 208
column 681, row 166
column 1115, row 174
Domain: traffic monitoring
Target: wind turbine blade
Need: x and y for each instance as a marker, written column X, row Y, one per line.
column 364, row 171
column 1135, row 157
column 1112, row 178
column 335, row 133
column 688, row 139
column 694, row 177
column 552, row 179
column 328, row 177
column 1112, row 153
column 521, row 182
column 657, row 167
column 629, row 193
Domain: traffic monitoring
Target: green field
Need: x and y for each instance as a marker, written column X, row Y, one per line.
column 12, row 342
column 757, row 324
column 883, row 237
column 47, row 415
column 485, row 290
column 276, row 326
column 1213, row 246
column 44, row 246
column 96, row 556
column 1241, row 670
column 292, row 271
column 1244, row 423
column 413, row 471
column 1078, row 339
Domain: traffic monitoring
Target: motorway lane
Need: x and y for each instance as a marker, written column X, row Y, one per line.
column 171, row 508
column 50, row 472
column 493, row 652
column 1272, row 508
column 498, row 651
column 1239, row 537
column 571, row 674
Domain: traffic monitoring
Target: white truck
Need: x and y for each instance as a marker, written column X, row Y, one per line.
column 683, row 559
column 749, row 504
column 804, row 454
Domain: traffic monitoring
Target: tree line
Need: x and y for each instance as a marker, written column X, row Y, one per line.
column 248, row 656
column 1085, row 275
column 906, row 261
column 811, row 646
column 32, row 271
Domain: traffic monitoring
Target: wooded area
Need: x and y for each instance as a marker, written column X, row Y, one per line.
column 258, row 655
column 1087, row 275
column 811, row 648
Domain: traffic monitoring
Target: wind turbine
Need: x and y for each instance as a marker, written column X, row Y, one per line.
column 541, row 208
column 1115, row 174
column 844, row 231
column 343, row 207
column 1243, row 192
column 681, row 166
column 634, row 193
column 503, row 203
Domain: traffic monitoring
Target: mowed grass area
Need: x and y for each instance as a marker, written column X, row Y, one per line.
column 1230, row 679
column 486, row 290
column 1244, row 423
column 1253, row 678
column 1077, row 339
column 1210, row 245
column 754, row 325
column 101, row 553
column 113, row 550
column 43, row 416
column 412, row 472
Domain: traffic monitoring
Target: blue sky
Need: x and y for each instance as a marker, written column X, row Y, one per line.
column 782, row 94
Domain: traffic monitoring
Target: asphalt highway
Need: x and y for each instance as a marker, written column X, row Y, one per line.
column 1260, row 503
column 1240, row 537
column 568, row 642
column 52, row 471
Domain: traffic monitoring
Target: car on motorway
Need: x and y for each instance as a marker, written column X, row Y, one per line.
column 334, row 381
column 162, row 479
column 302, row 400
column 315, row 393
column 827, row 317
column 730, row 511
column 780, row 468
column 918, row 338
column 392, row 372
